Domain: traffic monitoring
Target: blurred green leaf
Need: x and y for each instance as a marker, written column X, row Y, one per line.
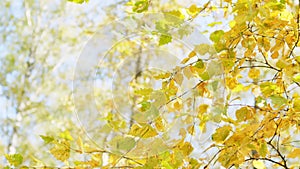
column 79, row 1
column 47, row 139
column 217, row 35
column 141, row 6
column 14, row 159
column 278, row 101
column 122, row 144
column 164, row 39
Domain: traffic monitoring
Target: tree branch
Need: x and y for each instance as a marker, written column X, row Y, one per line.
column 267, row 159
column 280, row 155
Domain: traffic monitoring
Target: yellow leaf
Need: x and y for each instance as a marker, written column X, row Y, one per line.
column 193, row 10
column 96, row 160
column 231, row 83
column 295, row 153
column 66, row 135
column 221, row 133
column 286, row 15
column 192, row 54
column 281, row 64
column 214, row 24
column 259, row 164
column 191, row 130
column 61, row 150
column 290, row 39
column 185, row 147
column 275, row 55
column 254, row 73
column 178, row 104
column 182, row 132
column 162, row 75
column 296, row 78
column 178, row 78
column 187, row 72
column 243, row 114
column 202, row 109
column 185, row 60
column 202, row 90
column 296, row 105
column 232, row 23
column 143, row 92
column 297, row 58
column 142, row 130
column 172, row 88
column 80, row 144
column 269, row 128
column 264, row 43
column 277, row 46
column 160, row 124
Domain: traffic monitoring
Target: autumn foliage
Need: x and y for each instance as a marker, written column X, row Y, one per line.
column 232, row 101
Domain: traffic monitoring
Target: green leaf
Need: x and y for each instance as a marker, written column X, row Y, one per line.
column 47, row 139
column 216, row 36
column 143, row 91
column 202, row 49
column 141, row 6
column 267, row 88
column 278, row 101
column 149, row 114
column 214, row 68
column 214, row 24
column 66, row 135
column 275, row 5
column 166, row 165
column 204, row 76
column 158, row 98
column 122, row 144
column 79, row 1
column 296, row 105
column 145, row 105
column 296, row 78
column 174, row 14
column 174, row 18
column 199, row 64
column 258, row 164
column 14, row 159
column 161, row 27
column 297, row 59
column 164, row 39
column 263, row 149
